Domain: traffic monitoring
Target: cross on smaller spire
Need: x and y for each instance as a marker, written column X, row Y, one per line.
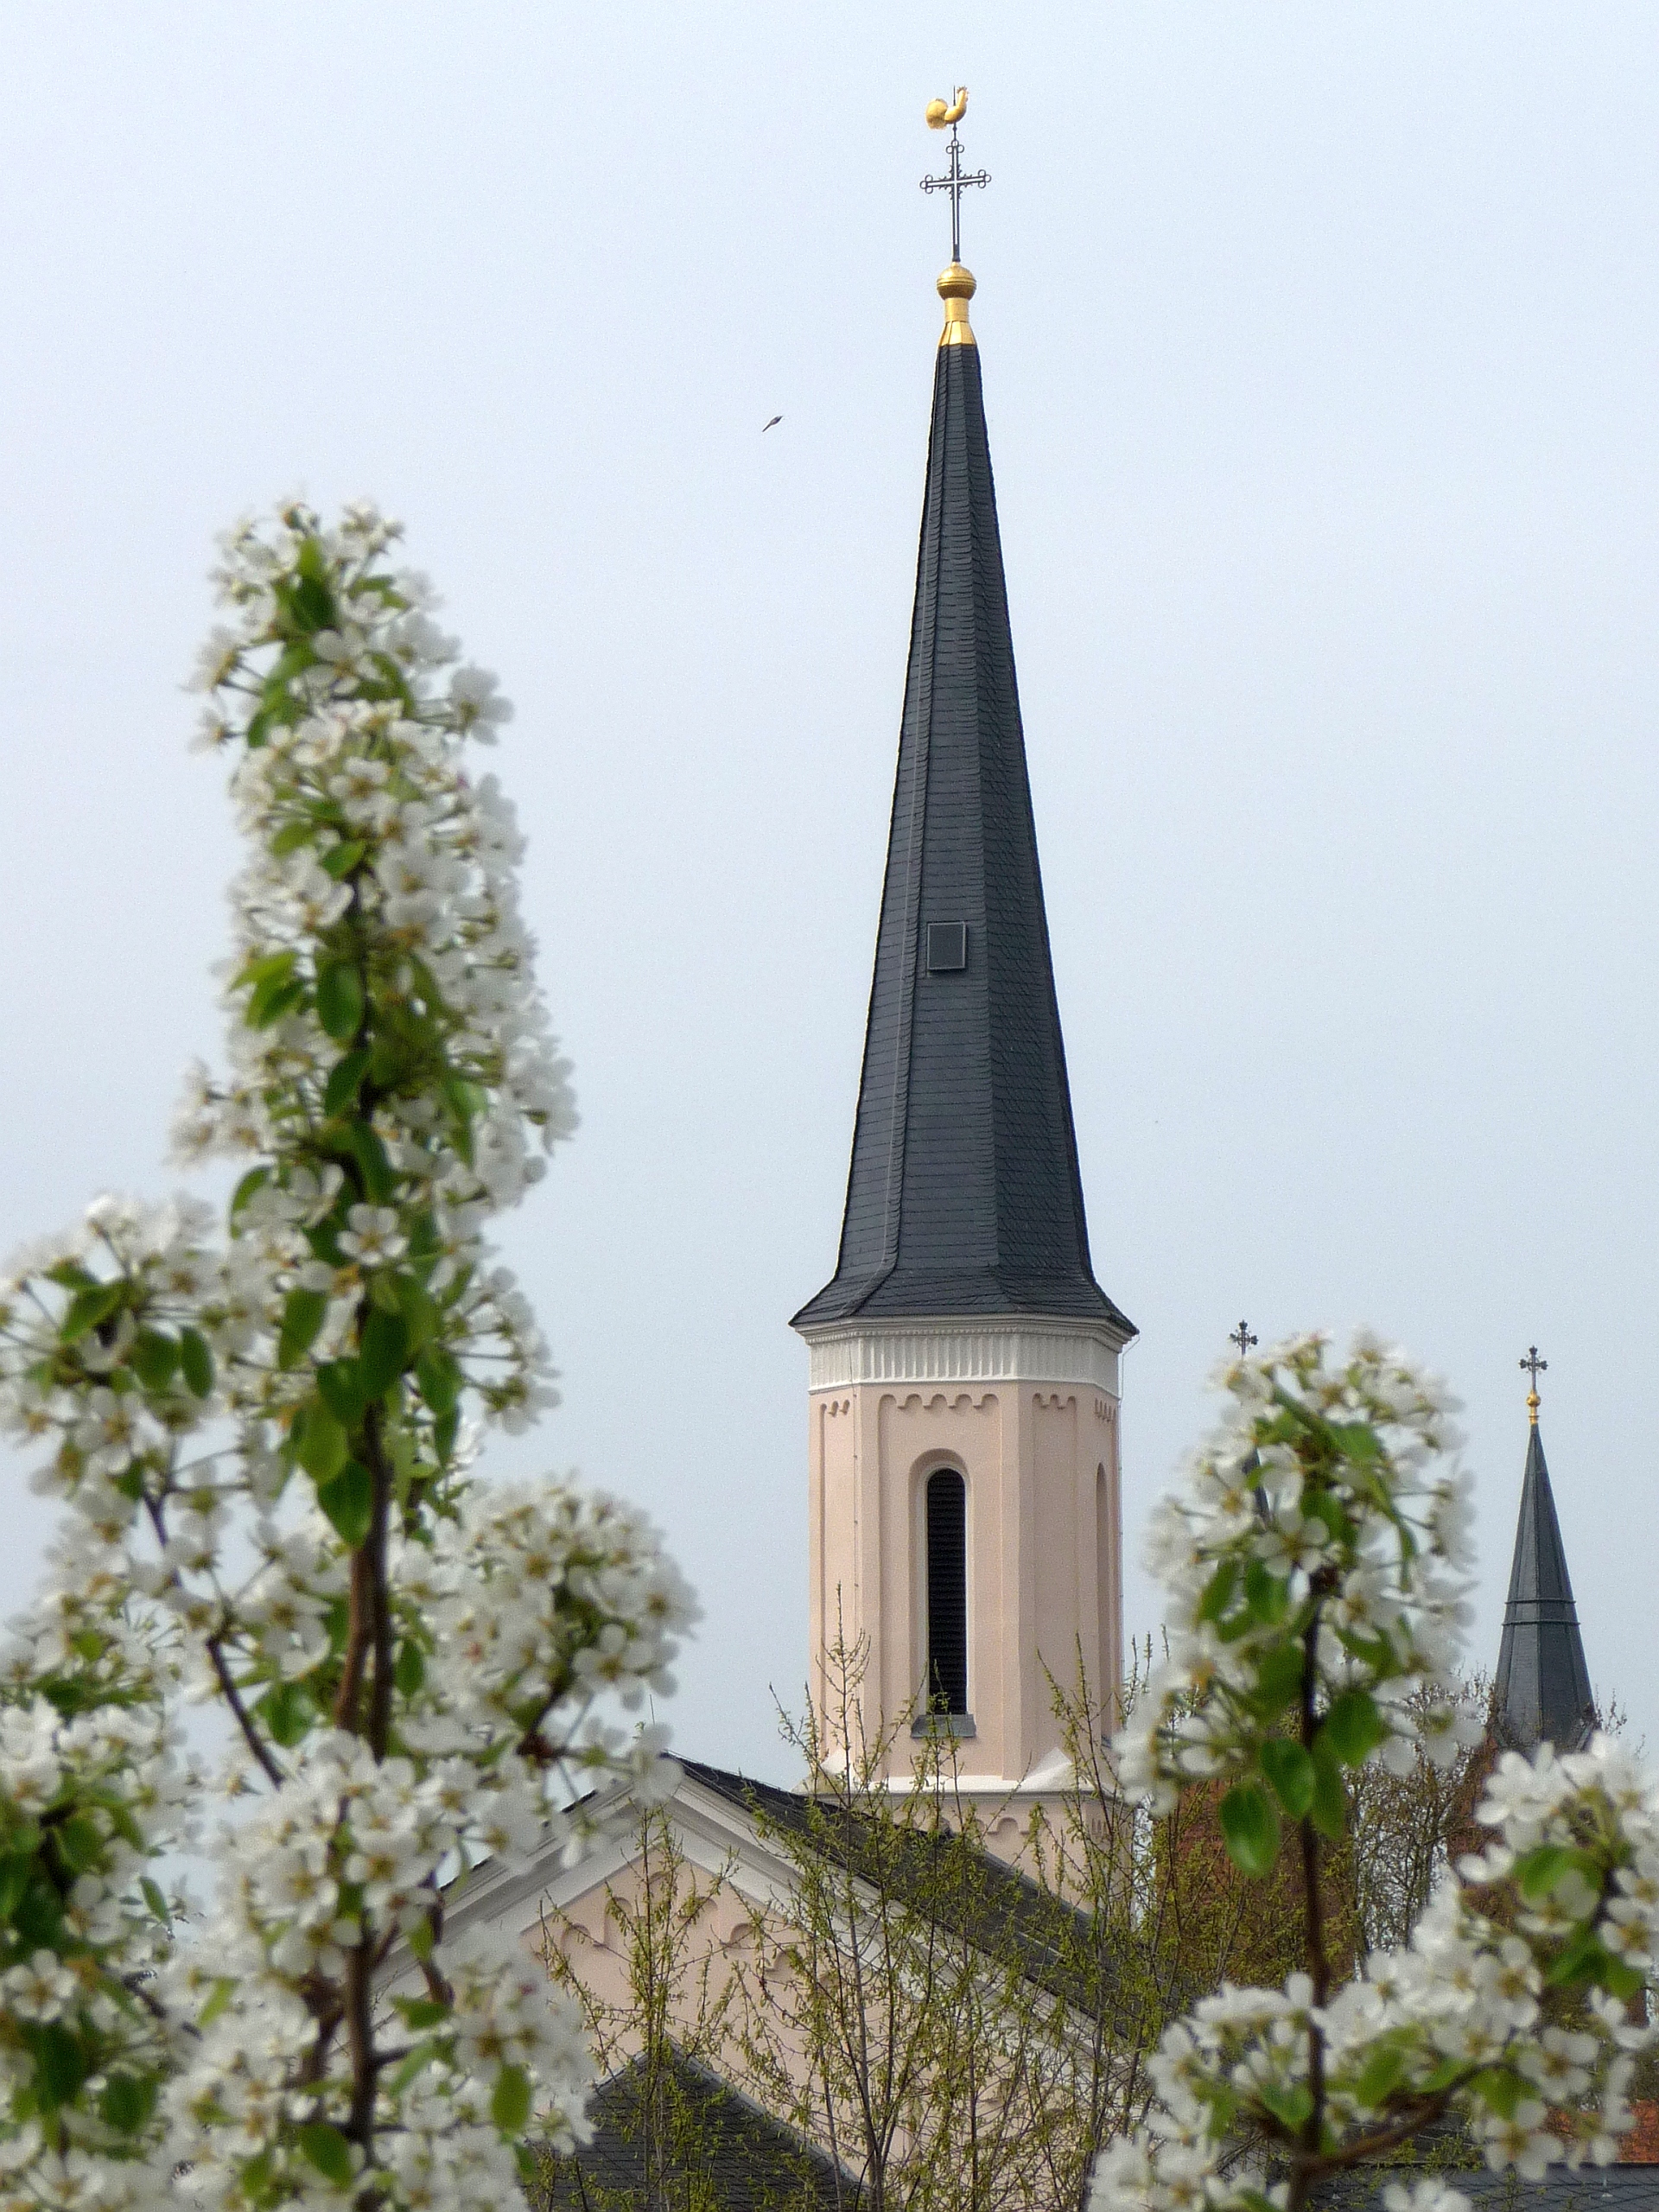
column 955, row 179
column 1243, row 1337
column 1534, row 1367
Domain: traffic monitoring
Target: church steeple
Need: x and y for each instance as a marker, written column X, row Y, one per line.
column 963, row 1503
column 1543, row 1690
column 964, row 1196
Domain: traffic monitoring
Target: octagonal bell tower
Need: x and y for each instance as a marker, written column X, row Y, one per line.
column 965, row 1385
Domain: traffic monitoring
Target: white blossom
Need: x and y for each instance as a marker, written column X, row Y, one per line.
column 262, row 1435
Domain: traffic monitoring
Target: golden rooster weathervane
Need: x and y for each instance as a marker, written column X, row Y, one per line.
column 942, row 115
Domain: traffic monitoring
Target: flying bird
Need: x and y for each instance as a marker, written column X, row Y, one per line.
column 773, row 425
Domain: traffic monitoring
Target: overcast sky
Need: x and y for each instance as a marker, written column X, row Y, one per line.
column 1319, row 354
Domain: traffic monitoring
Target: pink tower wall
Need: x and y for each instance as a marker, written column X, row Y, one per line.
column 1045, row 1583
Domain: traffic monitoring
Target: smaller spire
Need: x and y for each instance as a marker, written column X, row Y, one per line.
column 1543, row 1690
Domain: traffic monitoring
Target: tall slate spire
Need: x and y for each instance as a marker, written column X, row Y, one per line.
column 1543, row 1686
column 964, row 1197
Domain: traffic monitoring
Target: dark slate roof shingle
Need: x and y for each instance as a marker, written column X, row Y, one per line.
column 964, row 1196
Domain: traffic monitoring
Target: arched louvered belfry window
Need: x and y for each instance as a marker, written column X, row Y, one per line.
column 947, row 1592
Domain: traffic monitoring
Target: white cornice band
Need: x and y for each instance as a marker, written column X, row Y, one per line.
column 962, row 1352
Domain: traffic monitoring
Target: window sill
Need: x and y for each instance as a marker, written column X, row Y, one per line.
column 944, row 1724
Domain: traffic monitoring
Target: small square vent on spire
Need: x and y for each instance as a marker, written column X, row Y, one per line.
column 947, row 948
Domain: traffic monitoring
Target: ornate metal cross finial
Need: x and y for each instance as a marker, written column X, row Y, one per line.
column 1534, row 1367
column 955, row 179
column 1243, row 1337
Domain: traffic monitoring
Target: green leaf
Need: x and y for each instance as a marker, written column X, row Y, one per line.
column 445, row 1430
column 422, row 2012
column 328, row 2152
column 1353, row 1727
column 345, row 1081
column 340, row 859
column 292, row 837
column 1290, row 2107
column 1581, row 1959
column 1218, row 1592
column 38, row 1913
column 1379, row 2074
column 379, row 1181
column 1329, row 1811
column 422, row 1940
column 322, row 1450
column 217, row 1997
column 1290, row 1769
column 1268, row 1596
column 58, row 2059
column 1501, row 2090
column 349, row 1500
column 288, row 1711
column 304, row 1314
column 408, row 1673
column 154, row 1358
column 154, row 1900
column 81, row 1841
column 268, row 965
column 339, row 999
column 1249, row 1827
column 127, row 2102
column 1357, row 1439
column 339, row 1382
column 384, row 1353
column 273, row 994
column 255, row 1180
column 196, row 1362
column 14, row 1881
column 87, row 1308
column 439, row 1378
column 1623, row 1981
column 1321, row 1505
column 1279, row 1678
column 420, row 2057
column 1540, row 1873
column 510, row 2104
column 415, row 1304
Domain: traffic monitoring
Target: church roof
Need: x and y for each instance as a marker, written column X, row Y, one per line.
column 964, row 1196
column 723, row 2152
column 1002, row 1911
column 1542, row 1688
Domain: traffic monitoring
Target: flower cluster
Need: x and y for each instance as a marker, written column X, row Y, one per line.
column 1316, row 1558
column 1512, row 2005
column 263, row 1433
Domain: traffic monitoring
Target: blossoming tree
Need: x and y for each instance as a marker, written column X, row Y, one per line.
column 1316, row 1559
column 262, row 1433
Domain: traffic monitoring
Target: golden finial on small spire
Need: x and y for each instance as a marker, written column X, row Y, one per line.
column 1534, row 1367
column 956, row 285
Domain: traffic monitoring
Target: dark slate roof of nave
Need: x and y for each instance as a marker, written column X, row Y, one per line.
column 964, row 1197
column 986, row 1899
column 724, row 2153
